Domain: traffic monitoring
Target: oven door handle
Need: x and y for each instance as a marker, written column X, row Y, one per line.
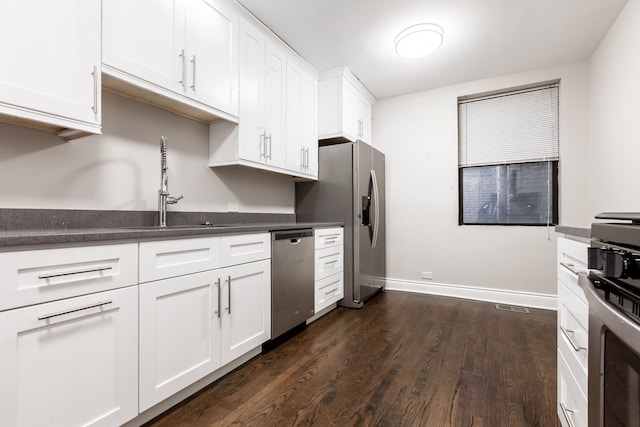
column 622, row 326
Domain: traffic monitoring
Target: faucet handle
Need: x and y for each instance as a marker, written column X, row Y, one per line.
column 174, row 200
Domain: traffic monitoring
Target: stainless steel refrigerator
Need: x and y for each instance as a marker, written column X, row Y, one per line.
column 350, row 189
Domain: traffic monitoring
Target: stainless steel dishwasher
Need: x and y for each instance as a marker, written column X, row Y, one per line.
column 292, row 279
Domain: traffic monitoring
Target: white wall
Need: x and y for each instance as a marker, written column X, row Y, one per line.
column 418, row 134
column 614, row 125
column 120, row 169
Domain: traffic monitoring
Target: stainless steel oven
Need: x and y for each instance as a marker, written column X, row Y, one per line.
column 612, row 288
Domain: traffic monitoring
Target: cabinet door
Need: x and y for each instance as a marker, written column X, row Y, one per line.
column 302, row 120
column 71, row 362
column 295, row 144
column 146, row 38
column 246, row 302
column 276, row 109
column 212, row 76
column 309, row 122
column 179, row 334
column 251, row 130
column 350, row 97
column 364, row 119
column 51, row 69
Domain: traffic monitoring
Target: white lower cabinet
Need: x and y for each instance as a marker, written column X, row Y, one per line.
column 573, row 334
column 329, row 268
column 193, row 324
column 71, row 362
column 246, row 313
column 179, row 334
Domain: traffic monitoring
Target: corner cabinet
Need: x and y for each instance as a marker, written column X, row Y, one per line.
column 277, row 129
column 573, row 334
column 179, row 55
column 53, row 81
column 345, row 107
column 208, row 304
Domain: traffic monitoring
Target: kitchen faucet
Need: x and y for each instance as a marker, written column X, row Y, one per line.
column 164, row 198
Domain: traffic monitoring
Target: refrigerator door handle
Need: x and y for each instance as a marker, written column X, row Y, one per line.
column 376, row 208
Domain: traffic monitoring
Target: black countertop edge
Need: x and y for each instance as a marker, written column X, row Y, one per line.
column 88, row 235
column 584, row 232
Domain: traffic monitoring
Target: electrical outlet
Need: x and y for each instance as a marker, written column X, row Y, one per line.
column 427, row 275
column 232, row 207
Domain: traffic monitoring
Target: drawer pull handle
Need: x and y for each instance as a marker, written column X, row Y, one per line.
column 569, row 335
column 70, row 273
column 330, row 263
column 229, row 296
column 62, row 313
column 218, row 285
column 331, row 291
column 570, row 267
column 568, row 414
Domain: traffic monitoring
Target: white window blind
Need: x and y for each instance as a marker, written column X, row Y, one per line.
column 513, row 127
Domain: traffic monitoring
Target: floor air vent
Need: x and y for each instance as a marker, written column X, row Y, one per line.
column 515, row 308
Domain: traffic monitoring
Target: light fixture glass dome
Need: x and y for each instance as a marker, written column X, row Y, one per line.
column 419, row 40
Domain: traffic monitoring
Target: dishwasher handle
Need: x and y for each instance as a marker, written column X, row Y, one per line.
column 294, row 236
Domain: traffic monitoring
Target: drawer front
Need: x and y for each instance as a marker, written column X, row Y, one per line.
column 573, row 333
column 244, row 248
column 43, row 275
column 572, row 258
column 328, row 261
column 572, row 403
column 328, row 291
column 171, row 258
column 328, row 237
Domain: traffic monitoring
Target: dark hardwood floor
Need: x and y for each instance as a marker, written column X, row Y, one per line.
column 403, row 360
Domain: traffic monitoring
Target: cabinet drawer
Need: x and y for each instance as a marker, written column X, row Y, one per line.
column 328, row 237
column 573, row 333
column 244, row 248
column 572, row 403
column 572, row 258
column 328, row 291
column 328, row 261
column 170, row 258
column 36, row 276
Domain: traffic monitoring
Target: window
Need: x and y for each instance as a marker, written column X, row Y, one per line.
column 508, row 157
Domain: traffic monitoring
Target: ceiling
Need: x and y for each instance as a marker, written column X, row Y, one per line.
column 482, row 38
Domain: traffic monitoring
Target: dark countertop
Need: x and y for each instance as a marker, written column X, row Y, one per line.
column 584, row 232
column 83, row 235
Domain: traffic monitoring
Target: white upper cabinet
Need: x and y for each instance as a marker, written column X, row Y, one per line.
column 344, row 107
column 277, row 129
column 51, row 73
column 185, row 51
column 302, row 119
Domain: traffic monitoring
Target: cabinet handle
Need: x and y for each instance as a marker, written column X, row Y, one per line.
column 229, row 295
column 218, row 285
column 94, row 107
column 183, row 69
column 566, row 333
column 306, row 158
column 330, row 263
column 62, row 313
column 568, row 414
column 331, row 291
column 302, row 159
column 263, row 144
column 269, row 147
column 570, row 267
column 70, row 273
column 193, row 61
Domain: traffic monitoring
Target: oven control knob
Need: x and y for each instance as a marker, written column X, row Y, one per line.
column 614, row 264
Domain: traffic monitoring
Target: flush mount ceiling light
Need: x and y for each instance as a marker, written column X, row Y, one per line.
column 419, row 40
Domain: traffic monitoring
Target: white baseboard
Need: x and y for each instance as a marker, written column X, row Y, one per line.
column 527, row 299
